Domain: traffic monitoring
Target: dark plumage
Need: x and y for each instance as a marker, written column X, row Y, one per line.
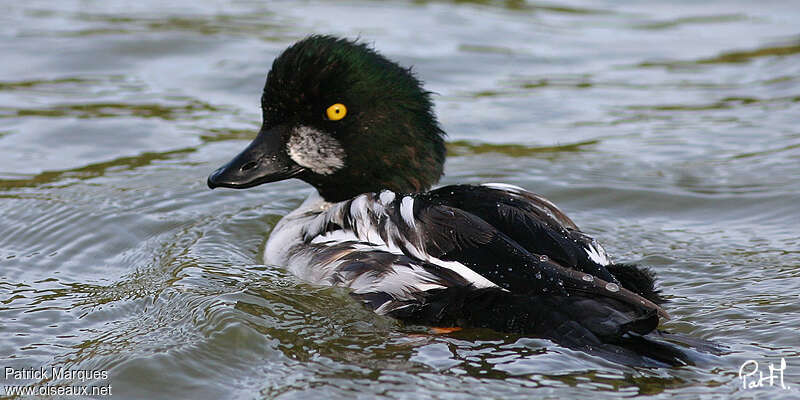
column 381, row 96
column 361, row 130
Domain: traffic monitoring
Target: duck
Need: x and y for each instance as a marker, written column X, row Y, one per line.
column 362, row 131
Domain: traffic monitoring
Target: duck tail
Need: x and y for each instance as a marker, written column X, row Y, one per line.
column 637, row 279
column 655, row 350
column 599, row 326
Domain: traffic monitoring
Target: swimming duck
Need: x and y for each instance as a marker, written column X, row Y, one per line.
column 361, row 130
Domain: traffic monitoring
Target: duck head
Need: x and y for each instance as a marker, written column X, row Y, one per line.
column 343, row 118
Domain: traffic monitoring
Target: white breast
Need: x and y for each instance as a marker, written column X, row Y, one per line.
column 299, row 236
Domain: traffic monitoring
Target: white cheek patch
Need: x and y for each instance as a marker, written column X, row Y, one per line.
column 315, row 150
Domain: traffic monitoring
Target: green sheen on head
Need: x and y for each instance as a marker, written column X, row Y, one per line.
column 388, row 138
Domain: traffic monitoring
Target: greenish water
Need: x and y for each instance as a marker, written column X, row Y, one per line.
column 668, row 130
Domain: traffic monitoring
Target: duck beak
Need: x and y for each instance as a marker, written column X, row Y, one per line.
column 264, row 160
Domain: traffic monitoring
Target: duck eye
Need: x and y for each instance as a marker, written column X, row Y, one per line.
column 336, row 112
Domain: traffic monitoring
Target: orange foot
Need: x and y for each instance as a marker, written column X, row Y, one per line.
column 441, row 331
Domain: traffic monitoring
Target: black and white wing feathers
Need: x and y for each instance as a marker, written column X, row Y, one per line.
column 530, row 220
column 541, row 228
column 478, row 256
column 423, row 228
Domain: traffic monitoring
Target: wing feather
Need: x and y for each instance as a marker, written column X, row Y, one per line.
column 530, row 220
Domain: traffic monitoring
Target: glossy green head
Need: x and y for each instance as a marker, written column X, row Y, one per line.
column 343, row 118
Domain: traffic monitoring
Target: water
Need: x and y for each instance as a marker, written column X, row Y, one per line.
column 669, row 131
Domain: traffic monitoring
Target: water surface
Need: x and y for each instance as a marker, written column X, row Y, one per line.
column 668, row 130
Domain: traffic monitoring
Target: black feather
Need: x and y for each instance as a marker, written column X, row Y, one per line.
column 597, row 325
column 552, row 279
column 534, row 223
column 639, row 280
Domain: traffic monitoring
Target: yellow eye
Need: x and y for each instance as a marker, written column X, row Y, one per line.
column 336, row 112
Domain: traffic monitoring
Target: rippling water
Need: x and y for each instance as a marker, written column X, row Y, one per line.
column 667, row 130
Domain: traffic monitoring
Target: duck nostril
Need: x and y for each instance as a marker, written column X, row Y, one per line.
column 249, row 165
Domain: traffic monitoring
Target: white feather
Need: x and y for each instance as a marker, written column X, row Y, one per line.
column 505, row 187
column 597, row 253
column 315, row 150
column 359, row 211
column 386, row 197
column 407, row 211
column 289, row 230
column 292, row 243
column 473, row 277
